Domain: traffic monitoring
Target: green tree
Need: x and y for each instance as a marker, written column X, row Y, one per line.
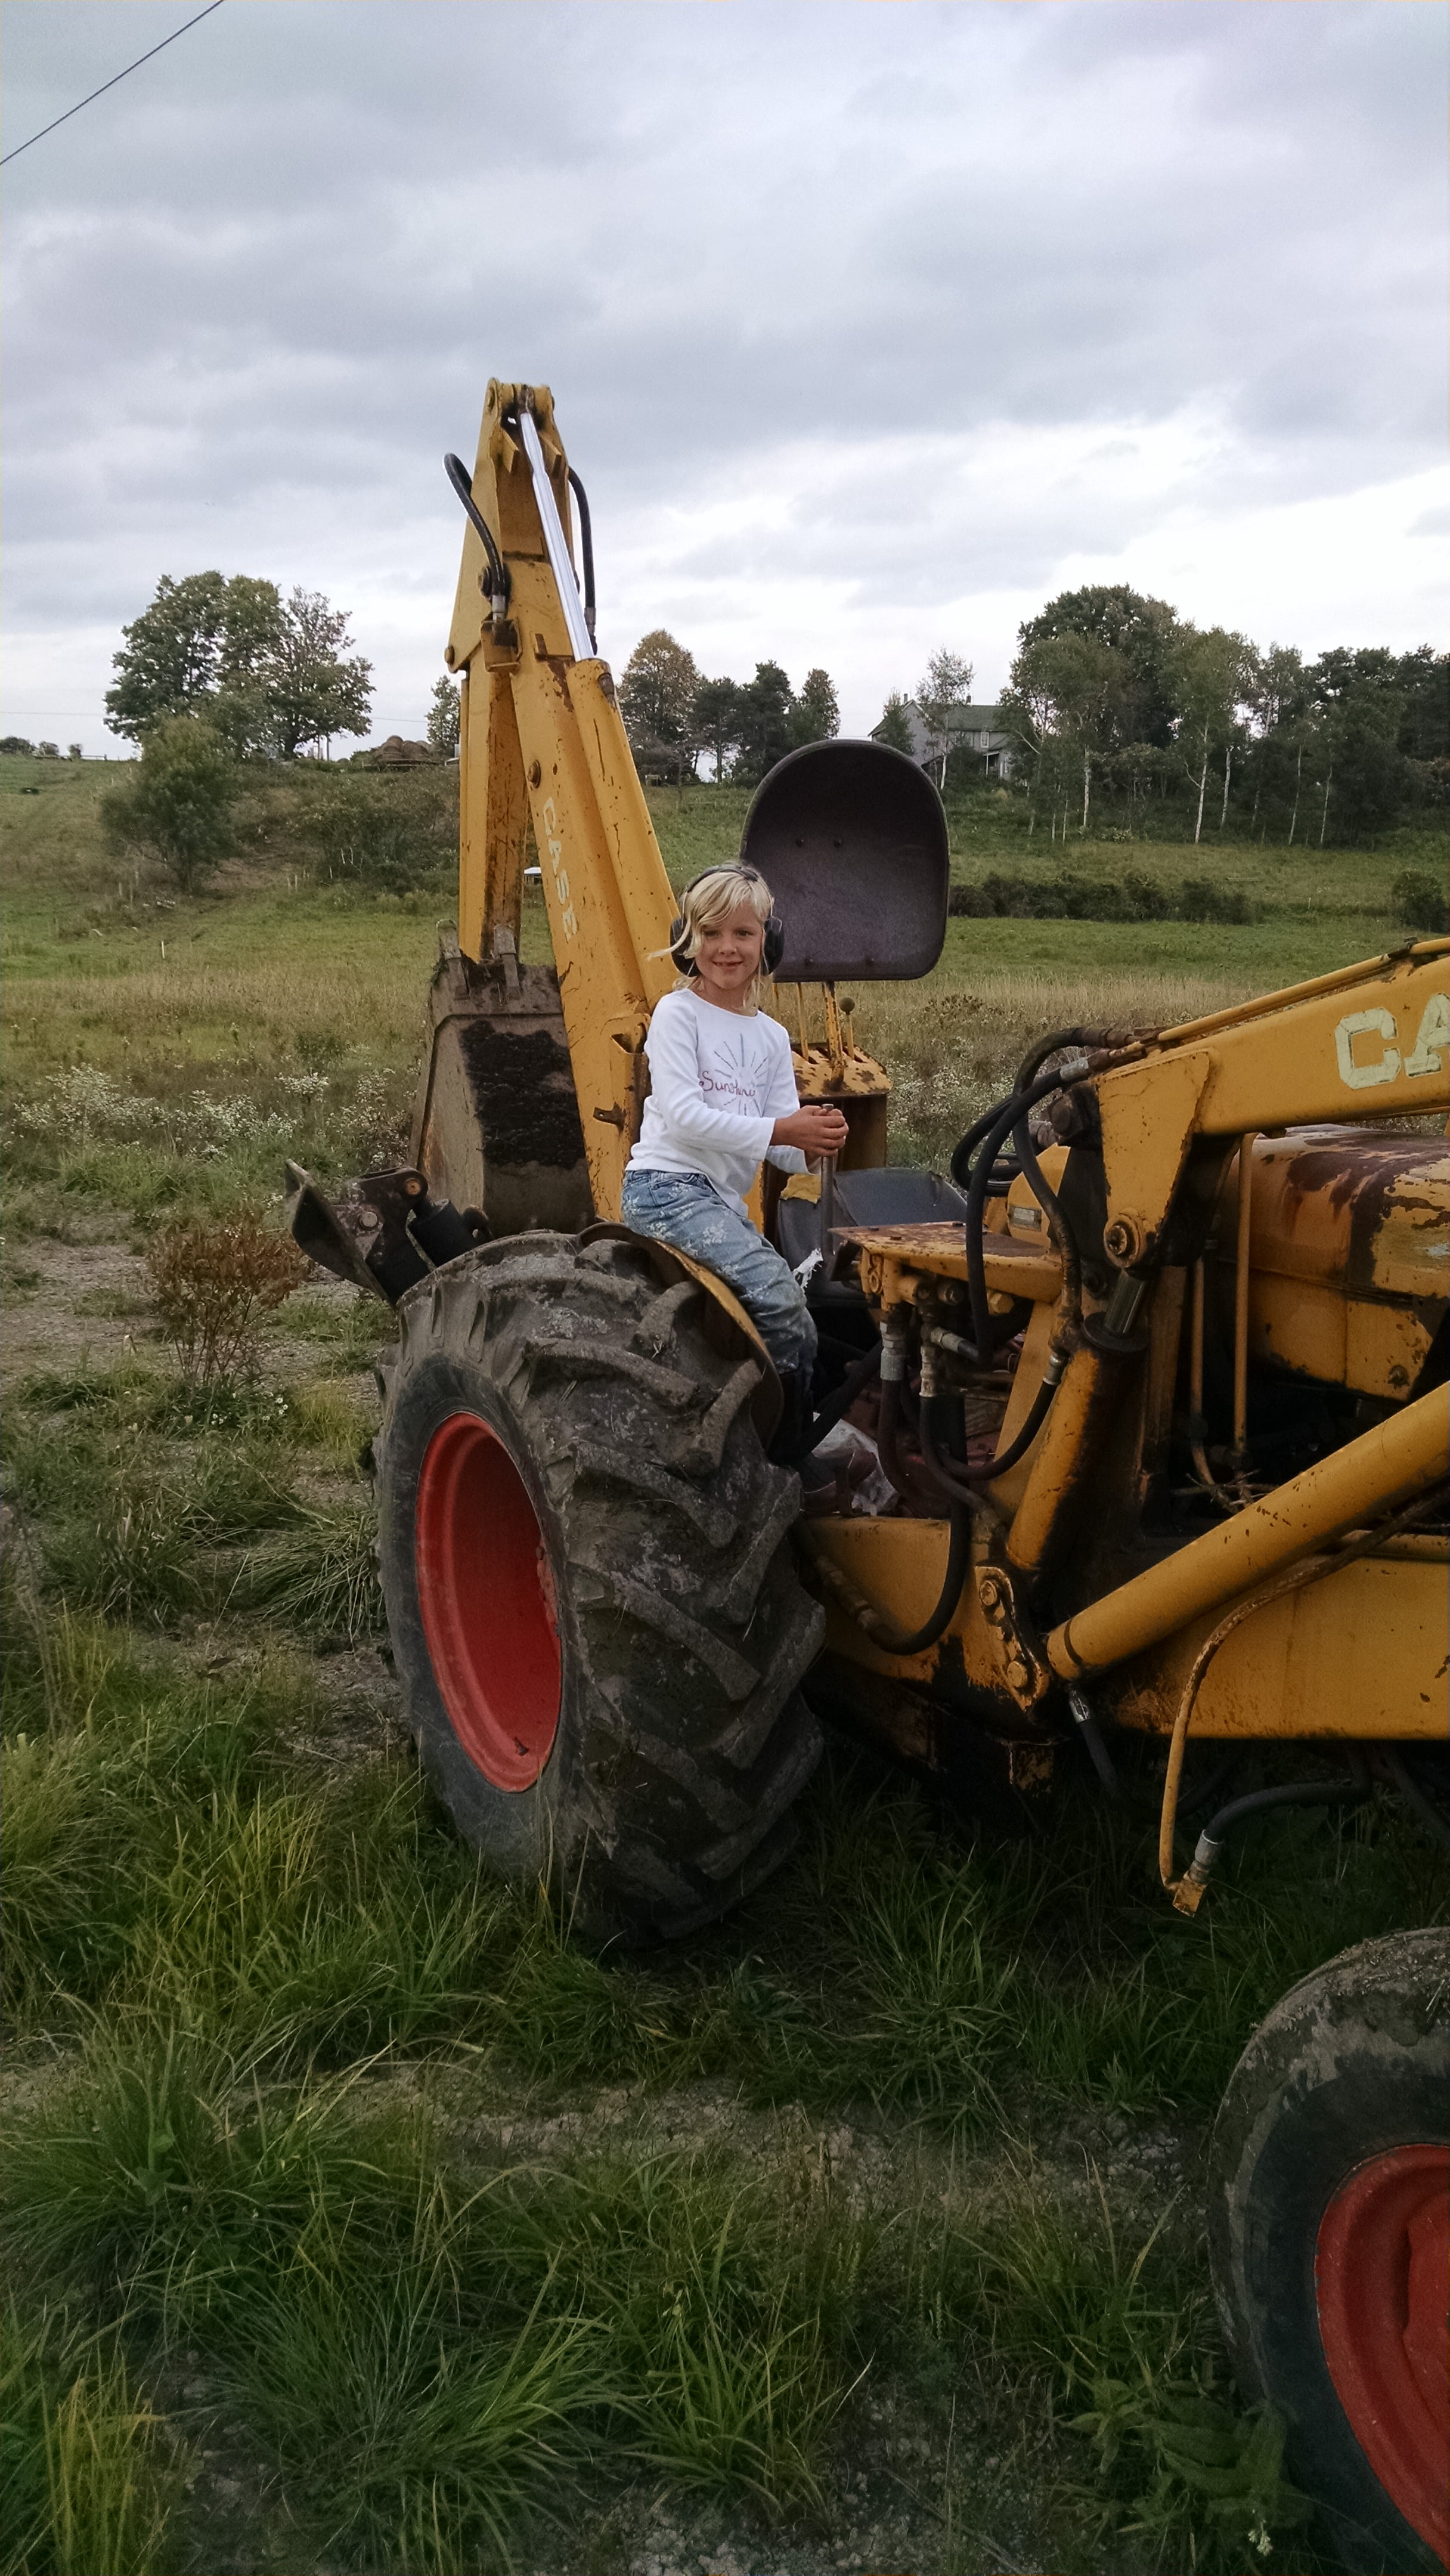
column 269, row 674
column 170, row 657
column 1140, row 631
column 179, row 804
column 1424, row 681
column 657, row 693
column 315, row 688
column 1278, row 703
column 894, row 728
column 715, row 723
column 816, row 714
column 16, row 743
column 947, row 685
column 1061, row 703
column 443, row 719
column 1213, row 674
column 766, row 710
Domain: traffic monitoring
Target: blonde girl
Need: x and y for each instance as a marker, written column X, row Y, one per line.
column 722, row 1100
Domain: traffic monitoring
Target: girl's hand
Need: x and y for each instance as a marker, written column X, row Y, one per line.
column 816, row 1130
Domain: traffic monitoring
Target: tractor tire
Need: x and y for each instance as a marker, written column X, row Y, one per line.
column 586, row 1562
column 1328, row 2233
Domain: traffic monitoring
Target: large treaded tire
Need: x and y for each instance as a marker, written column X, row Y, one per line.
column 1342, row 2083
column 623, row 1400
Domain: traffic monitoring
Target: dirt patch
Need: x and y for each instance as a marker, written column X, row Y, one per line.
column 83, row 1306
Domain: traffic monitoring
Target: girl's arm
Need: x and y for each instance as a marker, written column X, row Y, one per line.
column 782, row 1099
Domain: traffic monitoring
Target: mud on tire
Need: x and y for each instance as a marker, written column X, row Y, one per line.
column 589, row 1585
column 1327, row 2235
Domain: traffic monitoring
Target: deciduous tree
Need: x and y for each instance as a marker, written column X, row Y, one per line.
column 315, row 686
column 1213, row 674
column 715, row 724
column 269, row 674
column 1140, row 631
column 443, row 718
column 658, row 691
column 947, row 685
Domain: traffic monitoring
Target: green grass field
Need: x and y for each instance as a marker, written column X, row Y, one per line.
column 359, row 2220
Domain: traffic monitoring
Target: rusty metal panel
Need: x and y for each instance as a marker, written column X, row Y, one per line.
column 893, row 1257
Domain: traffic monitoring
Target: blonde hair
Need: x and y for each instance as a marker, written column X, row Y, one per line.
column 711, row 900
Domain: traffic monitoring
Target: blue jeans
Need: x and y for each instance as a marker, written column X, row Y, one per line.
column 683, row 1209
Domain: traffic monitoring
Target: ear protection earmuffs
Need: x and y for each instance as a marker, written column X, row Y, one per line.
column 774, row 947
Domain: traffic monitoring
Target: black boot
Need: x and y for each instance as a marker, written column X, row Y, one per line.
column 795, row 1417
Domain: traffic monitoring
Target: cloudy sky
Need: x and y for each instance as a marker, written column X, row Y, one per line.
column 871, row 323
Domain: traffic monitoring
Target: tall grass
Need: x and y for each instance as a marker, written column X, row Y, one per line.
column 433, row 2336
column 90, row 2477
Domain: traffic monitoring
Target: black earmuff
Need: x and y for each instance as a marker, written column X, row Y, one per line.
column 774, row 947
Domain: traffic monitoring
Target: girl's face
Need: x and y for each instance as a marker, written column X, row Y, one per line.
column 729, row 958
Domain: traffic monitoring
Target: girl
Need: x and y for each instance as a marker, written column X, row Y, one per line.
column 723, row 1099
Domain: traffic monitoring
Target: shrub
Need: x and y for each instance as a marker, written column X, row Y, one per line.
column 386, row 835
column 213, row 1284
column 1420, row 901
column 16, row 742
column 180, row 803
column 1067, row 897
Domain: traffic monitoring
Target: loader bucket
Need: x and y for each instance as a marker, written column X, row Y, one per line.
column 852, row 841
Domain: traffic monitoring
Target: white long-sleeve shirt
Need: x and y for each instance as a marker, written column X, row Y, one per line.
column 718, row 1082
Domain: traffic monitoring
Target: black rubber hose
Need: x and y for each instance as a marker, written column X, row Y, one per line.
column 1310, row 1793
column 1005, row 1119
column 839, row 1402
column 1423, row 1808
column 586, row 549
column 953, row 1581
column 1063, row 1239
column 462, row 482
column 969, row 1480
column 1090, row 1735
column 960, row 1165
column 1057, row 1044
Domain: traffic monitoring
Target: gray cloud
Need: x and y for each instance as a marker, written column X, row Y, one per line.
column 255, row 292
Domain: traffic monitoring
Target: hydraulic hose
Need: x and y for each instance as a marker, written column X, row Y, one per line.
column 1063, row 1238
column 878, row 1625
column 838, row 1403
column 968, row 1480
column 1003, row 1121
column 462, row 482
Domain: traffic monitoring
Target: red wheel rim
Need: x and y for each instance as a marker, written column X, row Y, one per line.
column 1381, row 2278
column 487, row 1599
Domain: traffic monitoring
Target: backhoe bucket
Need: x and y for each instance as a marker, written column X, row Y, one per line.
column 852, row 841
column 497, row 1120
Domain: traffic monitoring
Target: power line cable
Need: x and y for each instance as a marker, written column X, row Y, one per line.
column 110, row 84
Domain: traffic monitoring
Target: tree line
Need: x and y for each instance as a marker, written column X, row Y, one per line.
column 1111, row 696
column 674, row 716
column 1111, row 692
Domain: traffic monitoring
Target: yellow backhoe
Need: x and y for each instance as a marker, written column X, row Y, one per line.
column 1160, row 1373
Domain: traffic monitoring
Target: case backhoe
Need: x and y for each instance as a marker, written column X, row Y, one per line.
column 1162, row 1371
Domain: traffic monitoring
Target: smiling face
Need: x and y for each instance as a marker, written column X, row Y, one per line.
column 727, row 960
